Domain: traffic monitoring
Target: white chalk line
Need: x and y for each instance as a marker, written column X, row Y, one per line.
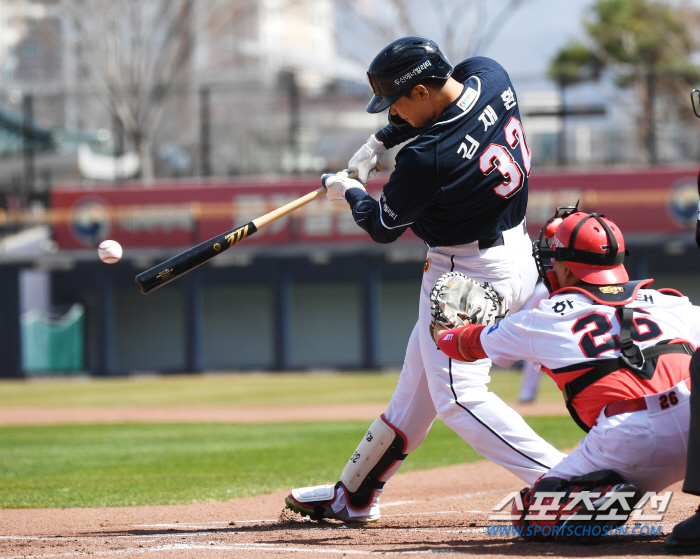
column 421, row 513
column 228, row 547
column 204, row 526
column 450, row 498
column 207, row 530
column 229, row 523
column 152, row 537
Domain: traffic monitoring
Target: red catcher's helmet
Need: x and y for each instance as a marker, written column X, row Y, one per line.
column 592, row 247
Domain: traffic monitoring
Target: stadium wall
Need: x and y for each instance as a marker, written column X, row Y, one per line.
column 313, row 292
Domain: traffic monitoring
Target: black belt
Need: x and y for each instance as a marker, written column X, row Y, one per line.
column 489, row 243
column 483, row 243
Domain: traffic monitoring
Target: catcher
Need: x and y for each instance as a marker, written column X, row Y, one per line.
column 619, row 351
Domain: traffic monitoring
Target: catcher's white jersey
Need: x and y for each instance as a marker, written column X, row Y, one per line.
column 570, row 328
column 646, row 445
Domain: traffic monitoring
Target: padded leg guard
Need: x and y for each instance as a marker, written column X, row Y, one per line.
column 579, row 510
column 381, row 447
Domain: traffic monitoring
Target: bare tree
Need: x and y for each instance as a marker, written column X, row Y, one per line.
column 137, row 51
column 462, row 28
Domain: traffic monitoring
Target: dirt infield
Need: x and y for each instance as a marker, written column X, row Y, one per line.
column 433, row 512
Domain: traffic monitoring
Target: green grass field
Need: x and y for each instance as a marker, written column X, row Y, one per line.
column 169, row 463
column 281, row 389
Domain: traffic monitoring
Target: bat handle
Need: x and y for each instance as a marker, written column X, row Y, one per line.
column 350, row 173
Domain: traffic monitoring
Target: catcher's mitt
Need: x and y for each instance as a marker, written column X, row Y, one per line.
column 457, row 299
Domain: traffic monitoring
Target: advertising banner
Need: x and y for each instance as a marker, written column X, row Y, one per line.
column 181, row 214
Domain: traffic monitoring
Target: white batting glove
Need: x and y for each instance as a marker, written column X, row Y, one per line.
column 337, row 184
column 366, row 159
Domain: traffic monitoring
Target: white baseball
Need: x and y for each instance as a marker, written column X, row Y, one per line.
column 110, row 251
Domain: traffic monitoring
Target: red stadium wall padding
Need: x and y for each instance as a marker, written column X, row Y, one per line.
column 660, row 201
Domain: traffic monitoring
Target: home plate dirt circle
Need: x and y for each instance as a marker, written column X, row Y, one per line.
column 434, row 512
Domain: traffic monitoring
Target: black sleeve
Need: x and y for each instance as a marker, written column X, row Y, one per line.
column 367, row 214
column 411, row 188
column 392, row 135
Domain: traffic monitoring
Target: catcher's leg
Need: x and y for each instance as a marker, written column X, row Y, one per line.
column 646, row 447
column 581, row 509
column 380, row 453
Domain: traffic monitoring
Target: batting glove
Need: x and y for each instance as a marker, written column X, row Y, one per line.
column 337, row 184
column 366, row 159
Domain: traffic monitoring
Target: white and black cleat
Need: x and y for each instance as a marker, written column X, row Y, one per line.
column 317, row 503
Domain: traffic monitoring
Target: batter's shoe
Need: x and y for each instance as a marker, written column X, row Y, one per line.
column 685, row 537
column 328, row 501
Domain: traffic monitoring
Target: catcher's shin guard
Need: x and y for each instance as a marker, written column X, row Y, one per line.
column 380, row 449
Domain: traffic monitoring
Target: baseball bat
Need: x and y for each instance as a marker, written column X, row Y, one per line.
column 167, row 271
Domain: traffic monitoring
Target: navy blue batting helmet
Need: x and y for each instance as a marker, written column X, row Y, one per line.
column 401, row 65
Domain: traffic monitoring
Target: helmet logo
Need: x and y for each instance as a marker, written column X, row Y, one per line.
column 423, row 66
column 611, row 289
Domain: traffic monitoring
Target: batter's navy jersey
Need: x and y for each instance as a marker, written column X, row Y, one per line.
column 464, row 177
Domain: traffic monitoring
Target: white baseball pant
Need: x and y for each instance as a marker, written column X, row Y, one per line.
column 432, row 384
column 646, row 447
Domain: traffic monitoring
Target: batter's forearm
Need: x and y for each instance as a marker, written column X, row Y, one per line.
column 366, row 212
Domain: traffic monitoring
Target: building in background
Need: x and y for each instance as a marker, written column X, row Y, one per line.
column 256, row 92
column 271, row 87
column 260, row 97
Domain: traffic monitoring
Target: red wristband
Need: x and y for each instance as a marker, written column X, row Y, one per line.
column 448, row 342
column 470, row 343
column 462, row 343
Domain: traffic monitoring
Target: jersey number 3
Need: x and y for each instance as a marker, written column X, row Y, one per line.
column 499, row 157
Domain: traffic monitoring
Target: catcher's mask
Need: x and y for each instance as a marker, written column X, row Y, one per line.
column 591, row 245
column 695, row 100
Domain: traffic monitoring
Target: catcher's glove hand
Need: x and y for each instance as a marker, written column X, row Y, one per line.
column 457, row 299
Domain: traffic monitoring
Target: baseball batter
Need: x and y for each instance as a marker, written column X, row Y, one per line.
column 461, row 186
column 619, row 350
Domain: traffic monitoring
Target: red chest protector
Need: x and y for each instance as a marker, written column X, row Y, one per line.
column 642, row 363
